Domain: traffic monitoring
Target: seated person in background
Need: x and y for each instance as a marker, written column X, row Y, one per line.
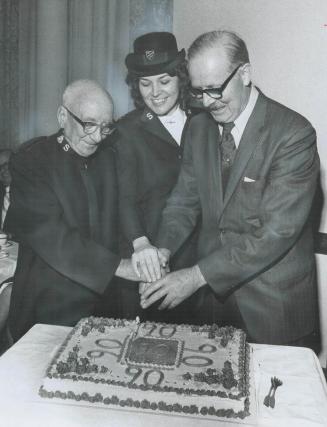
column 5, row 180
column 5, row 287
column 149, row 149
column 64, row 213
column 250, row 167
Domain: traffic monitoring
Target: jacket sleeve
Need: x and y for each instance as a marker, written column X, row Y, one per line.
column 285, row 208
column 36, row 216
column 183, row 207
column 128, row 172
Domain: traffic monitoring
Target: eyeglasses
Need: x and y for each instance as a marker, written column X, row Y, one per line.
column 214, row 92
column 91, row 127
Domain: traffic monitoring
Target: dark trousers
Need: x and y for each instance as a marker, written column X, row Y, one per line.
column 312, row 341
column 227, row 313
column 232, row 316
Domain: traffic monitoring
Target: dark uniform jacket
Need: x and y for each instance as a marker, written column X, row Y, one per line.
column 149, row 161
column 256, row 241
column 63, row 212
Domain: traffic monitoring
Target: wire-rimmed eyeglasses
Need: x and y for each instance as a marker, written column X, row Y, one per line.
column 91, row 127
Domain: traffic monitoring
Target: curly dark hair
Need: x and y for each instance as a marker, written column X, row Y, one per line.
column 183, row 78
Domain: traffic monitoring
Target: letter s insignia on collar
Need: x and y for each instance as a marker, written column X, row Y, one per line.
column 149, row 116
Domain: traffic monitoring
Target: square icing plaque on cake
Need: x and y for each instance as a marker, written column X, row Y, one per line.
column 194, row 371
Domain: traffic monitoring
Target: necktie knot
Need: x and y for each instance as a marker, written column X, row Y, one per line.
column 227, row 127
column 227, row 139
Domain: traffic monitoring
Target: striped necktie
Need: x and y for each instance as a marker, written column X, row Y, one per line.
column 228, row 151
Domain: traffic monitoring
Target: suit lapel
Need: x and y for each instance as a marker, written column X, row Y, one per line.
column 151, row 123
column 251, row 138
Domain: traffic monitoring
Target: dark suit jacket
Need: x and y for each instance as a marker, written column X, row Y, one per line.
column 149, row 161
column 256, row 242
column 64, row 213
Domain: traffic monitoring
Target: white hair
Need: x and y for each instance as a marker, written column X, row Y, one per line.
column 81, row 90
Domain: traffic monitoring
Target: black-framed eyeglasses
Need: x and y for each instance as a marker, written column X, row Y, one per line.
column 214, row 92
column 91, row 127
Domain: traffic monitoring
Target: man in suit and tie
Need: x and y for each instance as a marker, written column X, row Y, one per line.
column 250, row 168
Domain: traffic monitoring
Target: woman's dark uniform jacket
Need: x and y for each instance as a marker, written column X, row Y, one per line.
column 148, row 162
column 63, row 212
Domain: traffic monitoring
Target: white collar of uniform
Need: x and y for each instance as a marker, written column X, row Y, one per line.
column 174, row 123
column 178, row 116
column 243, row 118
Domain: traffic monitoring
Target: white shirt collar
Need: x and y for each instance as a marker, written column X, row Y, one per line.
column 243, row 118
column 174, row 123
column 177, row 115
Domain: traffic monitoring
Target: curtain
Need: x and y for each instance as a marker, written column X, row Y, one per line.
column 63, row 40
column 8, row 73
column 99, row 42
column 150, row 15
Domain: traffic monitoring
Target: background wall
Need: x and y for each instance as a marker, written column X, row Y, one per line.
column 287, row 42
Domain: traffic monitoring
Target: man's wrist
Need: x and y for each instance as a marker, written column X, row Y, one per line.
column 126, row 271
column 199, row 279
column 140, row 242
column 122, row 267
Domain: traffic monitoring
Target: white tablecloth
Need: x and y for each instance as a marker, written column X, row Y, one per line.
column 300, row 402
column 8, row 264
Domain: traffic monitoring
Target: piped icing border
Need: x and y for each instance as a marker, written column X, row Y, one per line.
column 147, row 405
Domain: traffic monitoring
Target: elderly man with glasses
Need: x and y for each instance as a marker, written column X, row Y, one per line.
column 64, row 213
column 250, row 168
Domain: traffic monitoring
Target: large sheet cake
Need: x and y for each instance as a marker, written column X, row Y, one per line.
column 200, row 371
